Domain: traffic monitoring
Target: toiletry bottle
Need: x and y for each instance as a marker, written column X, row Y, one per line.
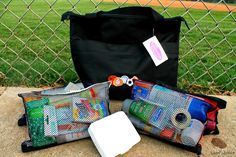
column 163, row 96
column 191, row 135
column 167, row 133
column 146, row 112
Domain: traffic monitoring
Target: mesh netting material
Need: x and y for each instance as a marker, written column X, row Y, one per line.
column 164, row 113
column 50, row 117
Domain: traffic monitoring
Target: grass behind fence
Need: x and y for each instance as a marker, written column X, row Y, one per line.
column 40, row 39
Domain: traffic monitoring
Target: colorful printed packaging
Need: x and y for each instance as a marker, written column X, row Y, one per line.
column 88, row 110
column 35, row 116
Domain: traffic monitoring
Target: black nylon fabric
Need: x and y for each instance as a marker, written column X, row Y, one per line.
column 110, row 43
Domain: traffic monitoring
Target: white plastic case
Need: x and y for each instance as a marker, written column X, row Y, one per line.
column 113, row 135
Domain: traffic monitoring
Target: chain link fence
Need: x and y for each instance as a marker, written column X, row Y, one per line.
column 35, row 51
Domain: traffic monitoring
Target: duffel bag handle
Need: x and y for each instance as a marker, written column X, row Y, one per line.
column 136, row 10
column 139, row 11
column 67, row 15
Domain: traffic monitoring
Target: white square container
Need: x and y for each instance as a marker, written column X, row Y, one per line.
column 113, row 135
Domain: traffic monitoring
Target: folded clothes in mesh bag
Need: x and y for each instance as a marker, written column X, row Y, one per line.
column 60, row 115
column 172, row 115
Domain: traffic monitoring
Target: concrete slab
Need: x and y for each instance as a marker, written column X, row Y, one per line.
column 2, row 90
column 12, row 135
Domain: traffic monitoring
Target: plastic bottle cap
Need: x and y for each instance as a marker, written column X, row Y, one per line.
column 111, row 77
column 117, row 82
column 124, row 78
column 130, row 82
column 126, row 105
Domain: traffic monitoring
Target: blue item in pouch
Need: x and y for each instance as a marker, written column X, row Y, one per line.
column 141, row 89
column 198, row 109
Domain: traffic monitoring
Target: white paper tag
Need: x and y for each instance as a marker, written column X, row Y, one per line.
column 155, row 50
column 71, row 87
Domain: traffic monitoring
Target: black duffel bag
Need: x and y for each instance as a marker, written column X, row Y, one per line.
column 110, row 43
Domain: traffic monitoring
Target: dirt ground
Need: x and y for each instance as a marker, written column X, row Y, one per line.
column 222, row 145
column 181, row 4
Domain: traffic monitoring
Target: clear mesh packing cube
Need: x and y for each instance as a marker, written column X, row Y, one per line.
column 172, row 115
column 61, row 115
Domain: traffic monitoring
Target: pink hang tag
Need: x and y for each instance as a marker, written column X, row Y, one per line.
column 155, row 50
